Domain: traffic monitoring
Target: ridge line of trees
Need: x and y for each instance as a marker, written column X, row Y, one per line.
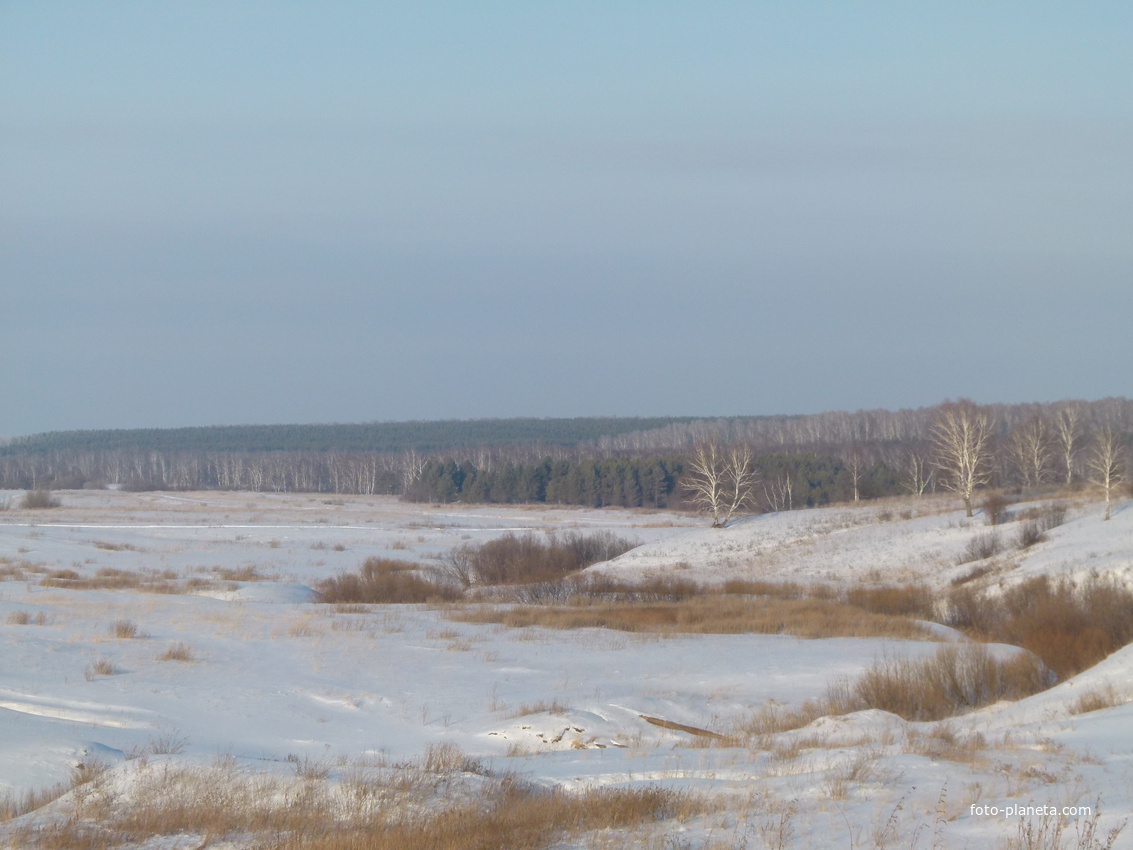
column 793, row 461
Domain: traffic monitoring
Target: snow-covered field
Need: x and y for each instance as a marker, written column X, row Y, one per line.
column 271, row 678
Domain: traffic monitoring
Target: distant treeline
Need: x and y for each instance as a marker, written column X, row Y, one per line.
column 809, row 480
column 371, row 437
column 800, row 460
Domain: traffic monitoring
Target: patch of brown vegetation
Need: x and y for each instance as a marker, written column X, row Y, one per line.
column 382, row 580
column 1070, row 626
column 177, row 651
column 707, row 614
column 409, row 806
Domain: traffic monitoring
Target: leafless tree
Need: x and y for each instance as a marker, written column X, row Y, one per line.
column 961, row 437
column 919, row 472
column 780, row 493
column 720, row 482
column 855, row 465
column 1068, row 433
column 1104, row 464
column 1029, row 445
column 412, row 466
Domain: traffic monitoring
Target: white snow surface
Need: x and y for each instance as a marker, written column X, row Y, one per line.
column 276, row 675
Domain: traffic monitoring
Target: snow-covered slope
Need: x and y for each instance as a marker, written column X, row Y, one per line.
column 261, row 672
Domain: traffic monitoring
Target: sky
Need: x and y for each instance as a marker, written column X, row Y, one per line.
column 285, row 212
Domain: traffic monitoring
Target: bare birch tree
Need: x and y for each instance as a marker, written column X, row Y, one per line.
column 918, row 470
column 1030, row 447
column 1104, row 464
column 720, row 482
column 780, row 495
column 1068, row 433
column 961, row 437
column 855, row 466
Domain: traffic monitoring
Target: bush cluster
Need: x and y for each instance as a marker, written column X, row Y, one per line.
column 382, row 581
column 529, row 558
column 38, row 500
column 949, row 682
column 1071, row 626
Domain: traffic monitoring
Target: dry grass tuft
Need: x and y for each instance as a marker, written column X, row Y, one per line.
column 115, row 547
column 100, row 667
column 177, row 652
column 1095, row 699
column 942, row 741
column 125, row 630
column 541, row 707
column 26, row 618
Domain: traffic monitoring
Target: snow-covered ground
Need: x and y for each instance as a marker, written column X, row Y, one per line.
column 274, row 678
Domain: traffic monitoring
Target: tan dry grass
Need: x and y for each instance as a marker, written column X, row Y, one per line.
column 177, row 651
column 26, row 618
column 125, row 630
column 952, row 681
column 110, row 578
column 1071, row 626
column 1095, row 699
column 430, row 804
column 100, row 667
column 712, row 614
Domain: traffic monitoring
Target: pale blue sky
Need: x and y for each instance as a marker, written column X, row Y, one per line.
column 239, row 212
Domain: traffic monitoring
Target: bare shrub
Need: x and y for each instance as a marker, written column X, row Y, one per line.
column 981, row 547
column 949, row 682
column 1052, row 515
column 1070, row 626
column 385, row 581
column 973, row 574
column 527, row 558
column 1031, row 532
column 39, row 500
column 995, row 507
column 456, row 566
